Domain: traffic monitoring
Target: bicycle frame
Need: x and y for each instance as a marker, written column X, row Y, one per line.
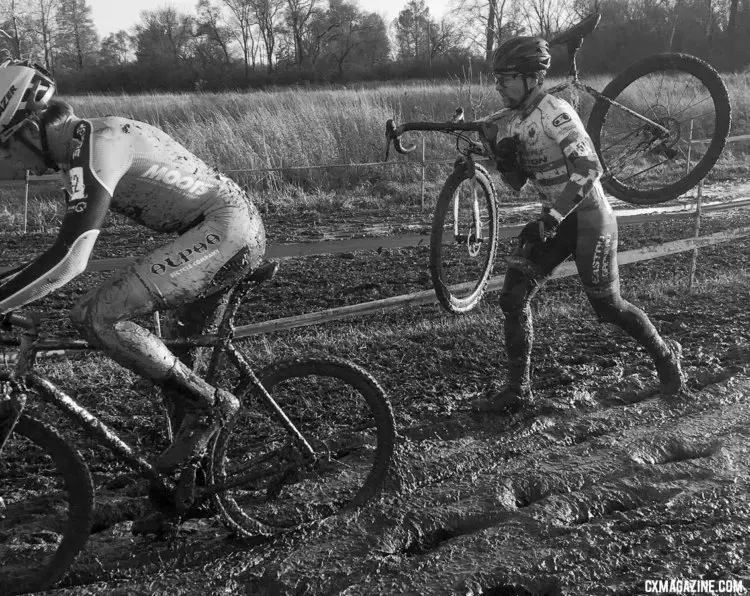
column 30, row 344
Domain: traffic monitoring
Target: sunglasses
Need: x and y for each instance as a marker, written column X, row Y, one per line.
column 505, row 78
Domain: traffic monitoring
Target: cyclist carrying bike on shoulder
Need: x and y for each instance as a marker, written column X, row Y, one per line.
column 137, row 170
column 547, row 146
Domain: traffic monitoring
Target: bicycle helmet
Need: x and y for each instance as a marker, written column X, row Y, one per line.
column 24, row 88
column 527, row 55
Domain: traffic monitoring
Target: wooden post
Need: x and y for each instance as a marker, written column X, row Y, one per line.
column 696, row 233
column 697, row 225
column 423, row 168
column 26, row 203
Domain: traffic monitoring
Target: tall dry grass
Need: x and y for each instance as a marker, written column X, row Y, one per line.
column 301, row 128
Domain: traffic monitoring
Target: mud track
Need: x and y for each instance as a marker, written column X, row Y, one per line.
column 600, row 487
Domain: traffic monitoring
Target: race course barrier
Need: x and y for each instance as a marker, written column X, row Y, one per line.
column 427, row 296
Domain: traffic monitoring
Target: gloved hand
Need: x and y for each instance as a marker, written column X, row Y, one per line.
column 506, row 152
column 540, row 230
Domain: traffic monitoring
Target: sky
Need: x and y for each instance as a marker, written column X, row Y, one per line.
column 112, row 16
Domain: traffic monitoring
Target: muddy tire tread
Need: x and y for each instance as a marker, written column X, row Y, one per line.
column 444, row 203
column 242, row 523
column 665, row 61
column 80, row 491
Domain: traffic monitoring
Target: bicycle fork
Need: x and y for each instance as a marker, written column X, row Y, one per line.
column 473, row 238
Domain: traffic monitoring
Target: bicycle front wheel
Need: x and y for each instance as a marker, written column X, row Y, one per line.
column 666, row 130
column 46, row 510
column 463, row 243
column 342, row 413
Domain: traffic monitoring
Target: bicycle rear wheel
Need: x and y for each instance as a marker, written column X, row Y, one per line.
column 343, row 414
column 644, row 164
column 463, row 243
column 48, row 500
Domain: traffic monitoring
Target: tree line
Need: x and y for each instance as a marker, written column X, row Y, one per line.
column 234, row 44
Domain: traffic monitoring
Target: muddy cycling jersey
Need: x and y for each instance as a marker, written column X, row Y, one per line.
column 557, row 154
column 141, row 172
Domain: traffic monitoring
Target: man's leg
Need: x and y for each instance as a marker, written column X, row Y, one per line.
column 170, row 277
column 528, row 269
column 596, row 259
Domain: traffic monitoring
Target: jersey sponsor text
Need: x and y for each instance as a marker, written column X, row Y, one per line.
column 176, row 179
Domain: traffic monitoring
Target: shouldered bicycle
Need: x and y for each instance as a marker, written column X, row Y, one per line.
column 658, row 128
column 314, row 436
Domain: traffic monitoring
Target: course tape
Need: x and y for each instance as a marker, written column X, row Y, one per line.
column 417, row 298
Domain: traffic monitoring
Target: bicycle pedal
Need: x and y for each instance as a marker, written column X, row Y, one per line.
column 156, row 523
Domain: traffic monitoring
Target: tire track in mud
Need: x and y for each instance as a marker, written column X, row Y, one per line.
column 555, row 507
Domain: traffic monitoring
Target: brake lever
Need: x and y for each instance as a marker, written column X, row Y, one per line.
column 393, row 134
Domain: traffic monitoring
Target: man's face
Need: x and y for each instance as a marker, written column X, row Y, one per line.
column 510, row 86
column 16, row 157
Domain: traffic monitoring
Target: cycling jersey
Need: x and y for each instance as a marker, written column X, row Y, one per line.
column 141, row 172
column 556, row 153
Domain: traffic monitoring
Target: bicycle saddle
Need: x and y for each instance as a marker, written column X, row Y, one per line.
column 577, row 32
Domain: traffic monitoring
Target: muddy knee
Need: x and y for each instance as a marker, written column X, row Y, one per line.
column 609, row 309
column 92, row 321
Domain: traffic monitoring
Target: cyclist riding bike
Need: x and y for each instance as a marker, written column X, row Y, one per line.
column 548, row 147
column 137, row 170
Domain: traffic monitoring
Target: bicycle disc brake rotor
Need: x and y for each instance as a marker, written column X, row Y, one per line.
column 659, row 141
column 473, row 244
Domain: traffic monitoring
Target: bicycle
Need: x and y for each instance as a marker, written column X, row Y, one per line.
column 322, row 444
column 658, row 128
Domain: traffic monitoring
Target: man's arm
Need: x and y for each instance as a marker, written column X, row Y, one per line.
column 87, row 203
column 567, row 130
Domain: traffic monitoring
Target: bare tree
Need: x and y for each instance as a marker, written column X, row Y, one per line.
column 243, row 21
column 546, row 17
column 210, row 24
column 266, row 14
column 485, row 23
column 44, row 24
column 298, row 15
column 15, row 25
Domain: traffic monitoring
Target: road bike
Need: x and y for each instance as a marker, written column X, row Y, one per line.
column 314, row 436
column 658, row 128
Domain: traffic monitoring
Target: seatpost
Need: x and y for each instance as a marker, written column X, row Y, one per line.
column 573, row 47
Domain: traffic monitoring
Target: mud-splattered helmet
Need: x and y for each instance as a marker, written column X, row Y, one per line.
column 24, row 88
column 527, row 55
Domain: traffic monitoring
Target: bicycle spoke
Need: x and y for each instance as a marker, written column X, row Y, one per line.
column 642, row 158
column 466, row 242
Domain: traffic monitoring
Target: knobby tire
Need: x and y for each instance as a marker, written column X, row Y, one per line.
column 242, row 520
column 442, row 237
column 79, row 490
column 712, row 81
